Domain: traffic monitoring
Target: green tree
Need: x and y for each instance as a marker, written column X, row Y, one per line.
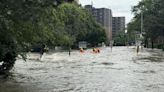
column 120, row 38
column 47, row 22
column 153, row 12
column 22, row 24
column 80, row 25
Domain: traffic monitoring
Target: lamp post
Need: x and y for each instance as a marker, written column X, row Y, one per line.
column 142, row 20
column 126, row 40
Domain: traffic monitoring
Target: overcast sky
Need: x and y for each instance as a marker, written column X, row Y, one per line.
column 119, row 7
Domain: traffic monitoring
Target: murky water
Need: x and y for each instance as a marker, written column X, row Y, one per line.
column 121, row 70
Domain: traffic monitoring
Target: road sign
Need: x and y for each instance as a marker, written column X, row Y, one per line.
column 138, row 43
column 111, row 43
column 83, row 44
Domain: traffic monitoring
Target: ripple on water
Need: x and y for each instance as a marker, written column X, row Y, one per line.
column 146, row 71
column 154, row 86
column 107, row 63
column 114, row 68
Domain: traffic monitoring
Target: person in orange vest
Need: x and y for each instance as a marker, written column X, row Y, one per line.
column 94, row 50
column 98, row 50
column 81, row 50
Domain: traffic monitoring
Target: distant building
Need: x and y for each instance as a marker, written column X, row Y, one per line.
column 104, row 17
column 118, row 24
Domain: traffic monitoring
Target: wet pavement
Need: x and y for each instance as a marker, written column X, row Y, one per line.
column 121, row 70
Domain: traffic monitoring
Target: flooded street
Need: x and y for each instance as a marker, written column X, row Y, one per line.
column 121, row 70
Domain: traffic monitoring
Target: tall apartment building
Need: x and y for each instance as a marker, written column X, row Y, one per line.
column 104, row 17
column 118, row 24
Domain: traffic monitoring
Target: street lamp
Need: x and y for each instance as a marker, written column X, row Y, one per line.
column 126, row 37
column 126, row 31
column 142, row 20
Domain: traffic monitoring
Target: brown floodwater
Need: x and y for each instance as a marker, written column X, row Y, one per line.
column 121, row 70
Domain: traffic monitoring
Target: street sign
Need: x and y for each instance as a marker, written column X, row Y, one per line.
column 111, row 43
column 83, row 44
column 138, row 43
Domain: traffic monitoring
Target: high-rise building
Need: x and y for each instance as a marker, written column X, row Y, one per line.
column 118, row 24
column 104, row 17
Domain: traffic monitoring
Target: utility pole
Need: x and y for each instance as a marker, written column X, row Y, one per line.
column 141, row 34
column 141, row 21
column 92, row 3
column 142, row 7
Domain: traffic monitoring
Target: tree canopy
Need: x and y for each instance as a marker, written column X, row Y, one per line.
column 153, row 21
column 24, row 23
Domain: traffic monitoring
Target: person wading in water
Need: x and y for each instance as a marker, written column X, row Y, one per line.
column 70, row 51
column 137, row 50
column 42, row 50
